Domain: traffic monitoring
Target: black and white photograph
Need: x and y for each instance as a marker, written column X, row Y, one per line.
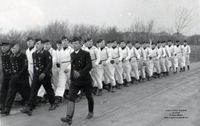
column 100, row 62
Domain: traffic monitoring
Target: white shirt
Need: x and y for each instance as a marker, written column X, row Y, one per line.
column 29, row 54
column 126, row 54
column 65, row 58
column 105, row 55
column 94, row 54
column 167, row 51
column 117, row 53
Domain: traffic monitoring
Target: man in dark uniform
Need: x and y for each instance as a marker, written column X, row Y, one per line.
column 5, row 58
column 42, row 60
column 81, row 65
column 19, row 78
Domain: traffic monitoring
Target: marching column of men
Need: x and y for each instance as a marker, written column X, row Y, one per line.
column 45, row 71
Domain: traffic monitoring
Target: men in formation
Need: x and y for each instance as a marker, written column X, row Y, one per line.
column 45, row 71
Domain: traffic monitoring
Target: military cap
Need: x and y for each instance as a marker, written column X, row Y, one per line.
column 38, row 39
column 128, row 42
column 153, row 43
column 4, row 43
column 29, row 38
column 177, row 41
column 46, row 41
column 137, row 42
column 98, row 41
column 63, row 38
column 76, row 38
column 58, row 42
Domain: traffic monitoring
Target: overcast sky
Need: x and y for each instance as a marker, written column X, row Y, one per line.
column 29, row 14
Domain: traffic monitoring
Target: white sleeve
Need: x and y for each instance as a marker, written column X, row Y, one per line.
column 120, row 54
column 129, row 53
column 97, row 53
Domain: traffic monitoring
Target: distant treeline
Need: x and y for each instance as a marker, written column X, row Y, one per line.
column 54, row 31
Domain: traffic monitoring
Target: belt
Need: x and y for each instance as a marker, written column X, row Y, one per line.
column 102, row 61
column 65, row 61
column 116, row 57
column 93, row 59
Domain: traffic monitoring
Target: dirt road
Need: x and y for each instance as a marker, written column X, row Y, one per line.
column 170, row 101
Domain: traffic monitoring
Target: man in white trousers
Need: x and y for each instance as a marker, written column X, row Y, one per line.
column 155, row 56
column 186, row 47
column 126, row 55
column 95, row 57
column 133, row 61
column 31, row 48
column 64, row 63
column 117, row 55
column 141, row 60
column 162, row 53
column 105, row 57
column 168, row 62
column 110, row 69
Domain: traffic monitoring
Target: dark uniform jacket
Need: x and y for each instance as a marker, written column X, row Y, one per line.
column 19, row 65
column 42, row 61
column 6, row 66
column 82, row 63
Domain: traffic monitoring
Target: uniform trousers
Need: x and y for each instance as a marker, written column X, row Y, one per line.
column 134, row 69
column 36, row 84
column 17, row 85
column 126, row 70
column 119, row 72
column 4, row 89
column 162, row 64
column 109, row 74
column 168, row 63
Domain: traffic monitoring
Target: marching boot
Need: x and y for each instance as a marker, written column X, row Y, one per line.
column 27, row 110
column 67, row 119
column 132, row 80
column 188, row 67
column 53, row 107
column 66, row 94
column 183, row 68
column 125, row 83
column 1, row 107
column 70, row 113
column 112, row 89
column 95, row 90
column 99, row 92
column 148, row 78
column 158, row 75
column 90, row 115
column 5, row 111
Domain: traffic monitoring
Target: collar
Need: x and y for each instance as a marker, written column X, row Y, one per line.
column 65, row 48
column 40, row 51
column 17, row 55
column 102, row 48
column 31, row 48
column 114, row 47
column 123, row 47
column 77, row 51
column 89, row 47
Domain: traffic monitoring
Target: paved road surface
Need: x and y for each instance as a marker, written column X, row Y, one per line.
column 170, row 101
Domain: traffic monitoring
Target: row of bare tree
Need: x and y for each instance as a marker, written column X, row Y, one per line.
column 138, row 31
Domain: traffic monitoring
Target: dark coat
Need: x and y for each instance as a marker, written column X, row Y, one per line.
column 82, row 63
column 19, row 65
column 42, row 62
